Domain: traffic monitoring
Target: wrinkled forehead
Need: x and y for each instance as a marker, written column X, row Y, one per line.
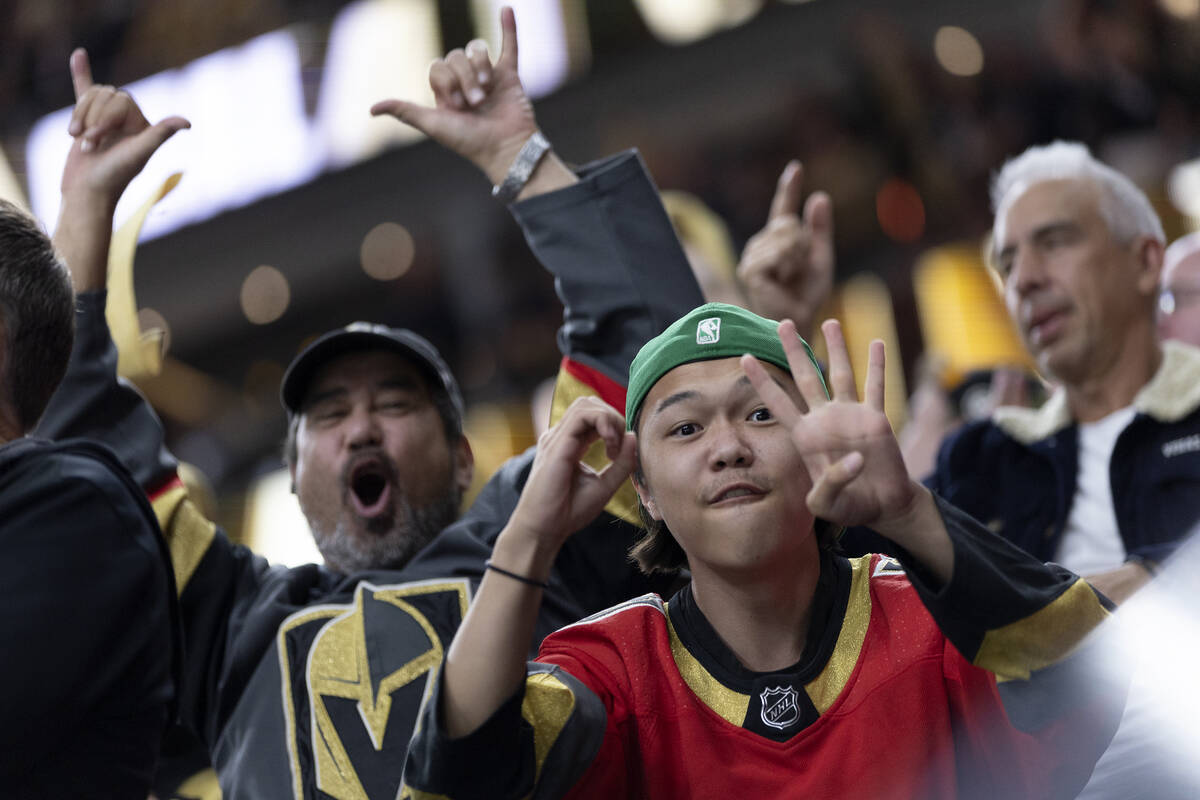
column 1041, row 201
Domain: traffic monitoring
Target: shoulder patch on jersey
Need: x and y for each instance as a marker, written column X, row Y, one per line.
column 887, row 566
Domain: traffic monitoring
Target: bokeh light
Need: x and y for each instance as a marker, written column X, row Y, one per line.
column 958, row 51
column 1181, row 9
column 900, row 211
column 265, row 295
column 387, row 251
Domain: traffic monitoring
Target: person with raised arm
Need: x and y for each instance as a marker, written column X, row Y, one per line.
column 276, row 689
column 781, row 669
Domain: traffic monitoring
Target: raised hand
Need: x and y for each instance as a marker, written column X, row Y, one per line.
column 113, row 140
column 562, row 494
column 481, row 110
column 485, row 663
column 787, row 267
column 847, row 446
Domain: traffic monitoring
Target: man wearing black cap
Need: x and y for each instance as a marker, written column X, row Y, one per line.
column 378, row 395
column 307, row 682
column 782, row 669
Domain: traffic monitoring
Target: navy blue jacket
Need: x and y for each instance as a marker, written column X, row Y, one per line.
column 1016, row 472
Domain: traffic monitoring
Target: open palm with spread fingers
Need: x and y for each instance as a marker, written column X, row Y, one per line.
column 848, row 447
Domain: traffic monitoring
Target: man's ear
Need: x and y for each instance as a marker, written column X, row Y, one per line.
column 464, row 464
column 293, row 455
column 647, row 499
column 1149, row 265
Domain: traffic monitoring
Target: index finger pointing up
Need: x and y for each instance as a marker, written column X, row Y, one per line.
column 81, row 72
column 508, row 39
column 788, row 191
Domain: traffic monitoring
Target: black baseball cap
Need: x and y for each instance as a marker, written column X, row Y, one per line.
column 366, row 336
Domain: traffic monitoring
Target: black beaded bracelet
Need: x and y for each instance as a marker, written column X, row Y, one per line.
column 540, row 584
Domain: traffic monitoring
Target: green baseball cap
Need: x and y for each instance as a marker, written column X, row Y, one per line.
column 711, row 331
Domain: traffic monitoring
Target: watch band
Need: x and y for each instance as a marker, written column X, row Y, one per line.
column 530, row 155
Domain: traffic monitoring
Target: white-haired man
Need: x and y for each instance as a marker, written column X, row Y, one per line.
column 1105, row 477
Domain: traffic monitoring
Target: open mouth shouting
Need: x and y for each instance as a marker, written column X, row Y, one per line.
column 369, row 485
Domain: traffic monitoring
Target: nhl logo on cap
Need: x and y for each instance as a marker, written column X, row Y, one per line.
column 708, row 331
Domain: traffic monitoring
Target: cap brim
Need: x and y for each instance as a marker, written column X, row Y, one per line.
column 300, row 372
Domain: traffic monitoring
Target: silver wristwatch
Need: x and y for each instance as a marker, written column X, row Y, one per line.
column 532, row 152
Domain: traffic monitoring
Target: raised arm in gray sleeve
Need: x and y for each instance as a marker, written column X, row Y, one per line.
column 92, row 402
column 618, row 267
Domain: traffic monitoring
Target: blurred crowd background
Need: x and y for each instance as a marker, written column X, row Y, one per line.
column 297, row 213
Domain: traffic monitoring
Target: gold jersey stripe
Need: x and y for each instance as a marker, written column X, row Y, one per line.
column 568, row 389
column 825, row 689
column 1044, row 637
column 720, row 698
column 187, row 531
column 201, row 786
column 547, row 706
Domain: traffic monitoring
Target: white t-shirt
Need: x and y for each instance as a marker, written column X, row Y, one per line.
column 1091, row 543
column 1137, row 764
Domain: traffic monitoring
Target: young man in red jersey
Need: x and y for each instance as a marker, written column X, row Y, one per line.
column 781, row 669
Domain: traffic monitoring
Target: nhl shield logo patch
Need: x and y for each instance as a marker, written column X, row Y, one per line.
column 780, row 706
column 708, row 331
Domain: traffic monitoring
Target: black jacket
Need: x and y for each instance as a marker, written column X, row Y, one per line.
column 88, row 627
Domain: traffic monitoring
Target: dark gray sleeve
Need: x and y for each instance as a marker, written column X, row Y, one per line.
column 501, row 754
column 1002, row 603
column 93, row 403
column 618, row 267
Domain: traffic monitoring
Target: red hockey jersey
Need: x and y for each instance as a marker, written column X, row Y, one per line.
column 645, row 701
